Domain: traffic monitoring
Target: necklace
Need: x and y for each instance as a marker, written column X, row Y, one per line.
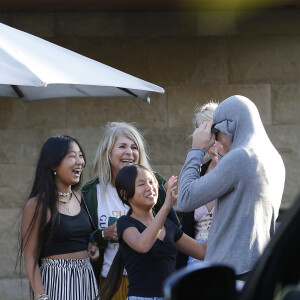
column 65, row 194
column 64, row 201
column 67, row 201
column 67, row 208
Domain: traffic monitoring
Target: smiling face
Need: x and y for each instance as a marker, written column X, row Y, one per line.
column 123, row 153
column 146, row 190
column 69, row 170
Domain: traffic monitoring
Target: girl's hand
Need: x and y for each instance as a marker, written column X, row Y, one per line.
column 171, row 198
column 93, row 252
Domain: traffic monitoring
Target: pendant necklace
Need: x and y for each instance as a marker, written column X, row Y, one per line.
column 65, row 201
column 67, row 208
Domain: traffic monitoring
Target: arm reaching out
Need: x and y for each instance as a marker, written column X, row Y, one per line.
column 143, row 242
column 191, row 247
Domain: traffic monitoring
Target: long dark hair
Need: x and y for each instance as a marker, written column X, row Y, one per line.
column 45, row 191
column 125, row 186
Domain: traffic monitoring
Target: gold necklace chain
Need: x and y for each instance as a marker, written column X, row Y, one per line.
column 64, row 201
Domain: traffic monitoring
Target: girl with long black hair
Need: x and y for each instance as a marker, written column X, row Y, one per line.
column 148, row 243
column 56, row 226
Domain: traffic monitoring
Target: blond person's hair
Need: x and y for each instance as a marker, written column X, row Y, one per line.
column 204, row 112
column 112, row 131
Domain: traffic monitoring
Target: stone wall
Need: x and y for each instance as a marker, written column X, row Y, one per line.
column 195, row 56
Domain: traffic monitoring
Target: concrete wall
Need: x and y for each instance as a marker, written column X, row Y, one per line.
column 195, row 56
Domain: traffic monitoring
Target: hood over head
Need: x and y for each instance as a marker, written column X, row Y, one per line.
column 238, row 117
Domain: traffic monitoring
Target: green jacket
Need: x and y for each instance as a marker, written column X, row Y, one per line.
column 89, row 193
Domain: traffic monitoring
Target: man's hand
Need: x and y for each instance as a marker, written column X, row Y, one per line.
column 203, row 138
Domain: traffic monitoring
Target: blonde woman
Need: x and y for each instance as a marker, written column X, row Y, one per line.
column 197, row 223
column 121, row 145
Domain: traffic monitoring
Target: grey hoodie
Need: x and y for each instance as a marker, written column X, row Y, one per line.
column 248, row 183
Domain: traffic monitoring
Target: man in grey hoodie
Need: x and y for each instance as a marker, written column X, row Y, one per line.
column 248, row 183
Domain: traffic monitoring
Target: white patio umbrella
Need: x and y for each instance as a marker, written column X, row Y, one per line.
column 34, row 69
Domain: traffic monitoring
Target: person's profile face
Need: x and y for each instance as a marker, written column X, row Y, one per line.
column 213, row 150
column 223, row 143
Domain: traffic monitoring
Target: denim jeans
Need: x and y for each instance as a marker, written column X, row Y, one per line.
column 144, row 298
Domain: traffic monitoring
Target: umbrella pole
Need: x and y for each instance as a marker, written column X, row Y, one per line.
column 128, row 92
column 18, row 91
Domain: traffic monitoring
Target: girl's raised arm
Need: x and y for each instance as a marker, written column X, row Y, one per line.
column 143, row 242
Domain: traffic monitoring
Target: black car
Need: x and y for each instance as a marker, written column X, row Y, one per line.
column 276, row 275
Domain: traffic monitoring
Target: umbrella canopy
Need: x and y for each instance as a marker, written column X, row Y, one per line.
column 34, row 69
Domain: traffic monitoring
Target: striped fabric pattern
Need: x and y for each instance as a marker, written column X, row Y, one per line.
column 69, row 279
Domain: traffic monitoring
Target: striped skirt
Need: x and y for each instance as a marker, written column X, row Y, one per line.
column 69, row 279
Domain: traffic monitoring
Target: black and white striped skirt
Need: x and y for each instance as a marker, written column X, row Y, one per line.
column 69, row 279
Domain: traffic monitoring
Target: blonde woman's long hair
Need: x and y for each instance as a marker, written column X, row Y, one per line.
column 112, row 131
column 202, row 113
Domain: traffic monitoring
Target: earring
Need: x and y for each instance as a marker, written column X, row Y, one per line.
column 54, row 172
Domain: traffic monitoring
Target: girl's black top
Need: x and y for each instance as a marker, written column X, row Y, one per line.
column 147, row 271
column 71, row 234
